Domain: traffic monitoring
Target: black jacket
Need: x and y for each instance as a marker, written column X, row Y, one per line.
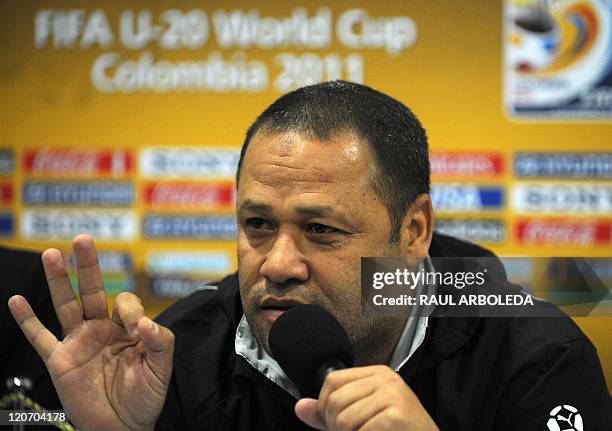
column 23, row 274
column 472, row 373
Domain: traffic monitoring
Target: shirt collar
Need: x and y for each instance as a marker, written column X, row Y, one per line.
column 413, row 334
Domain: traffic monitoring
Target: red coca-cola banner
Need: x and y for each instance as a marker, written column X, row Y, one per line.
column 466, row 164
column 550, row 231
column 77, row 162
column 6, row 193
column 189, row 195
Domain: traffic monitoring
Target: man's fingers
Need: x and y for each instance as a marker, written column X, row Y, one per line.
column 67, row 308
column 359, row 412
column 91, row 286
column 159, row 342
column 43, row 341
column 127, row 311
column 306, row 411
column 385, row 419
column 344, row 397
column 337, row 379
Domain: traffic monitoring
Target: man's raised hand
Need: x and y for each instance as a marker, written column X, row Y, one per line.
column 108, row 373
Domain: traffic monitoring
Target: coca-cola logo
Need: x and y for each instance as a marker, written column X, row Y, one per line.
column 77, row 161
column 190, row 194
column 581, row 233
column 6, row 194
column 466, row 164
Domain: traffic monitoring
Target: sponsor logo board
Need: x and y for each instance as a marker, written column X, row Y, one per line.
column 194, row 227
column 6, row 193
column 117, row 271
column 563, row 198
column 478, row 230
column 6, row 224
column 109, row 261
column 189, row 195
column 563, row 165
column 466, row 164
column 84, row 162
column 602, row 267
column 174, row 287
column 188, row 262
column 7, row 162
column 78, row 193
column 114, row 284
column 520, row 271
column 518, row 267
column 185, row 162
column 105, row 224
column 568, row 232
column 454, row 197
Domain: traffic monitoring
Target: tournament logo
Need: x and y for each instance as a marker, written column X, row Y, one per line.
column 563, row 198
column 563, row 165
column 583, row 233
column 466, row 197
column 466, row 164
column 84, row 162
column 557, row 58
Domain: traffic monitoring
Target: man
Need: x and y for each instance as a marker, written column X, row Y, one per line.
column 328, row 174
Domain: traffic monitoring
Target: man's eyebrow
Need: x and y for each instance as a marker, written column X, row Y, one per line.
column 251, row 205
column 323, row 211
column 310, row 211
column 316, row 211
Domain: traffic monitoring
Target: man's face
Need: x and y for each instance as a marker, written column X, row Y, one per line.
column 306, row 215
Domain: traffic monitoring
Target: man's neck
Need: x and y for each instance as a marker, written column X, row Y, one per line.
column 383, row 354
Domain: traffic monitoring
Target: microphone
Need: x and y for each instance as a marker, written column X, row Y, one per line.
column 309, row 343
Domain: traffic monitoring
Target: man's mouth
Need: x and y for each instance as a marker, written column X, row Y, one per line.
column 272, row 308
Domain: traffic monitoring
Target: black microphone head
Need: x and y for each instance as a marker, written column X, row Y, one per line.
column 302, row 339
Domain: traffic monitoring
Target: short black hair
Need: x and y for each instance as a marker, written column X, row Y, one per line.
column 395, row 137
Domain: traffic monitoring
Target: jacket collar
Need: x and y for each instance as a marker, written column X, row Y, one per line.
column 446, row 334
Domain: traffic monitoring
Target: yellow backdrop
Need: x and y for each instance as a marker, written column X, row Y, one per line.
column 100, row 95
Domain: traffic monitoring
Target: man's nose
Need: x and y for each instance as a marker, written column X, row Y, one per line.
column 284, row 261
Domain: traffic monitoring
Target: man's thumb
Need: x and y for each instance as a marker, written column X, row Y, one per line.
column 159, row 342
column 306, row 411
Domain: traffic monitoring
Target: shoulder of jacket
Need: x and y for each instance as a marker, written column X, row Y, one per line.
column 209, row 303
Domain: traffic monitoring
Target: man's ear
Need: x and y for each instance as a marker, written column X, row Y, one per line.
column 417, row 227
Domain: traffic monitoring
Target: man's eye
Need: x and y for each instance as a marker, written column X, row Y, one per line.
column 257, row 223
column 320, row 229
